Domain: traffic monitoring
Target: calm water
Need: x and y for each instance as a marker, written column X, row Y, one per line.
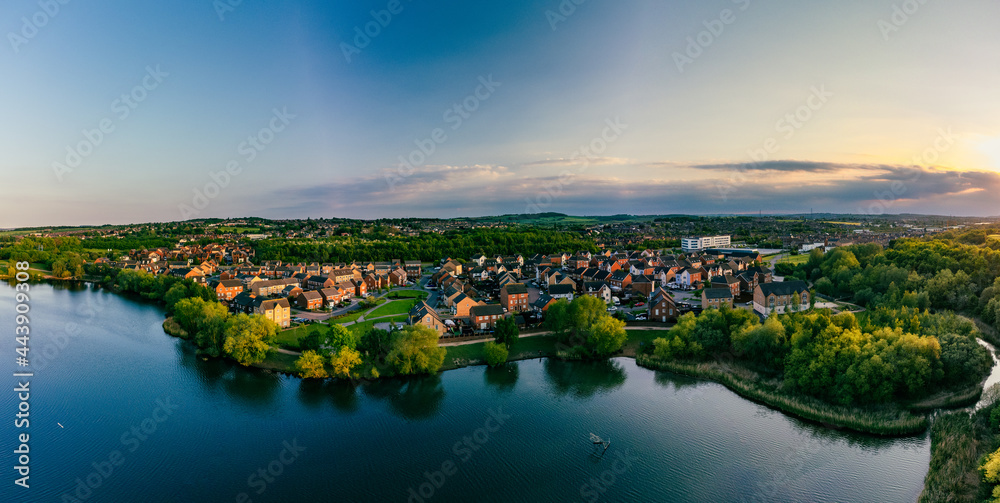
column 673, row 438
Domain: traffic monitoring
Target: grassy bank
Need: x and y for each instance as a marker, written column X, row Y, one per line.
column 749, row 385
column 958, row 441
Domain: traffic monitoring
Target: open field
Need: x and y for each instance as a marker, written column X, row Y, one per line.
column 795, row 259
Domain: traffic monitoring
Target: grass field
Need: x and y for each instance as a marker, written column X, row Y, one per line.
column 795, row 259
column 394, row 307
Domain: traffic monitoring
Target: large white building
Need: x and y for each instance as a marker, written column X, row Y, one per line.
column 700, row 243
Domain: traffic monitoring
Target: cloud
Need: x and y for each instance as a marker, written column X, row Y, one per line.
column 448, row 191
column 782, row 166
column 577, row 161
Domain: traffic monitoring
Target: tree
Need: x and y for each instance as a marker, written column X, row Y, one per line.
column 761, row 344
column 496, row 353
column 187, row 313
column 607, row 335
column 376, row 343
column 174, row 295
column 310, row 365
column 340, row 337
column 344, row 362
column 796, row 302
column 557, row 318
column 211, row 329
column 415, row 351
column 248, row 338
column 507, row 332
column 990, row 469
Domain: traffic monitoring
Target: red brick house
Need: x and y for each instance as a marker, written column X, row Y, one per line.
column 485, row 317
column 227, row 289
column 309, row 300
column 514, row 297
column 661, row 306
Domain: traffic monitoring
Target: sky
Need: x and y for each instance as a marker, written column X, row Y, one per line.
column 126, row 112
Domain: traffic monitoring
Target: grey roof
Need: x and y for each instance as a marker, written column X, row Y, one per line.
column 487, row 310
column 718, row 293
column 783, row 287
column 513, row 288
column 560, row 289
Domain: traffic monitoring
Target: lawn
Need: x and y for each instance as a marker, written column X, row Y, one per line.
column 289, row 339
column 394, row 307
column 407, row 294
column 364, row 326
column 347, row 318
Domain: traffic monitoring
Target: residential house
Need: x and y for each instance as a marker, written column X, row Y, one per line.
column 542, row 303
column 620, row 280
column 413, row 269
column 461, row 304
column 397, row 277
column 777, row 297
column 514, row 297
column 360, row 288
column 715, row 298
column 278, row 310
column 423, row 314
column 309, row 300
column 318, row 282
column 562, row 291
column 335, row 294
column 484, row 317
column 227, row 289
column 729, row 282
column 661, row 306
column 598, row 289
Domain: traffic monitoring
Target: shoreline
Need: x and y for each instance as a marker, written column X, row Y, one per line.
column 889, row 423
column 901, row 420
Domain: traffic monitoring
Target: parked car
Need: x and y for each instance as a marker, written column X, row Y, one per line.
column 612, row 309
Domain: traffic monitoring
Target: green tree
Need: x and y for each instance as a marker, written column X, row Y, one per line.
column 248, row 338
column 415, row 351
column 606, row 336
column 345, row 361
column 506, row 331
column 496, row 353
column 310, row 365
column 557, row 318
column 761, row 344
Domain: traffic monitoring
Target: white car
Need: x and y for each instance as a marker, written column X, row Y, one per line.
column 612, row 308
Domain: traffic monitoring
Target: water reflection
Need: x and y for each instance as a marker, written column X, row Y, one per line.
column 343, row 395
column 411, row 398
column 246, row 385
column 584, row 379
column 675, row 382
column 504, row 377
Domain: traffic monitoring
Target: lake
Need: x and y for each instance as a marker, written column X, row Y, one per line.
column 145, row 420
